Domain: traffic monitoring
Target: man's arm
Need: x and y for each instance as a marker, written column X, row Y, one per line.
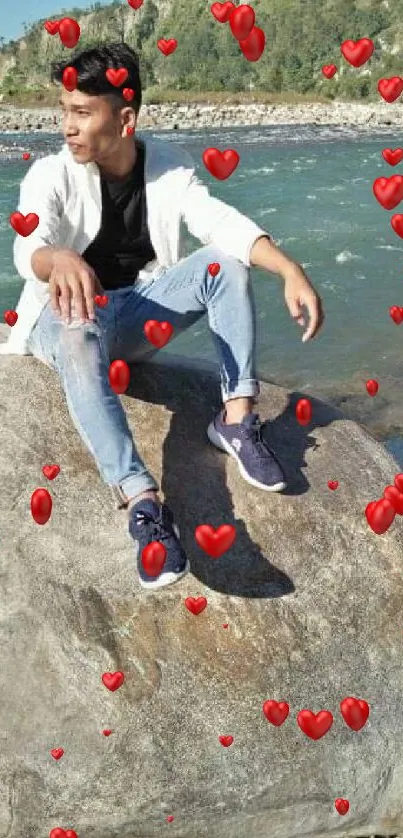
column 267, row 255
column 42, row 262
column 38, row 193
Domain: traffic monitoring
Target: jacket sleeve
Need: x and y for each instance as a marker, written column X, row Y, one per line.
column 37, row 194
column 214, row 222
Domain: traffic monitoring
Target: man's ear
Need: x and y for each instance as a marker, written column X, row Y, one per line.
column 128, row 119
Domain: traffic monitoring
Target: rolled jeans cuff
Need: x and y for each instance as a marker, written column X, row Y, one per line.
column 249, row 388
column 130, row 487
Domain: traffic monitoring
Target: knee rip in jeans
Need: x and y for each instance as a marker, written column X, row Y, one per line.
column 77, row 338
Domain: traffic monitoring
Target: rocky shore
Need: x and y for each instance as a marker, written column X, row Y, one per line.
column 366, row 116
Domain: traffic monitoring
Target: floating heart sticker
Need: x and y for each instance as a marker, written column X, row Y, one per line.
column 397, row 224
column 355, row 712
column 333, row 484
column 357, row 52
column 215, row 542
column 225, row 625
column 10, row 317
column 69, row 32
column 135, row 4
column 51, row 471
column 380, row 514
column 220, row 164
column 167, row 47
column 392, row 156
column 372, row 387
column 396, row 314
column 69, row 78
column 113, row 680
column 388, row 190
column 214, row 268
column 26, row 155
column 129, row 131
column 62, row 833
column 222, row 11
column 226, row 741
column 253, row 46
column 396, row 498
column 242, row 21
column 315, row 725
column 197, row 604
column 390, row 89
column 329, row 70
column 303, row 411
column 116, row 77
column 101, row 300
column 153, row 558
column 24, row 225
column 52, row 26
column 41, row 506
column 107, row 732
column 158, row 332
column 57, row 753
column 169, row 818
column 128, row 93
column 276, row 712
column 398, row 481
column 119, row 376
column 342, row 805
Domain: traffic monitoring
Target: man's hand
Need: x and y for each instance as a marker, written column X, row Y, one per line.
column 299, row 292
column 73, row 284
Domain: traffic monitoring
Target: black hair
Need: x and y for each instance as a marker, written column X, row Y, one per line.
column 91, row 65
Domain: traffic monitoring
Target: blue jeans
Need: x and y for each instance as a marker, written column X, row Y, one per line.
column 82, row 353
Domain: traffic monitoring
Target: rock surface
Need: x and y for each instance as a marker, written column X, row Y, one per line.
column 312, row 597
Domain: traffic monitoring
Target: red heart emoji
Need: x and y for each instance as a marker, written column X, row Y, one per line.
column 392, row 156
column 101, row 300
column 342, row 805
column 220, row 164
column 57, row 753
column 26, row 155
column 303, row 411
column 380, row 515
column 222, row 11
column 10, row 317
column 226, row 740
column 62, row 833
column 24, row 225
column 397, row 224
column 396, row 314
column 225, row 625
column 388, row 190
column 315, row 725
column 153, row 558
column 197, row 604
column 135, row 4
column 390, row 89
column 372, row 387
column 69, row 32
column 329, row 70
column 41, row 506
column 158, row 332
column 129, row 131
column 398, row 481
column 214, row 268
column 167, row 47
column 355, row 712
column 253, row 46
column 116, row 77
column 396, row 498
column 51, row 471
column 169, row 818
column 333, row 484
column 215, row 542
column 69, row 78
column 119, row 376
column 107, row 732
column 357, row 52
column 52, row 26
column 242, row 21
column 276, row 712
column 128, row 93
column 113, row 680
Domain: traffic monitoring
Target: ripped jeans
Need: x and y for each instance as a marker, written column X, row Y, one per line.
column 81, row 353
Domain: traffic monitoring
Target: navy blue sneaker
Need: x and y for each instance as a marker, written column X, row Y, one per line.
column 149, row 521
column 257, row 463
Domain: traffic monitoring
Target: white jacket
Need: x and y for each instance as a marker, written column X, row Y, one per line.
column 67, row 198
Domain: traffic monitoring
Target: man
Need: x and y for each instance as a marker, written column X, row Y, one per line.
column 110, row 207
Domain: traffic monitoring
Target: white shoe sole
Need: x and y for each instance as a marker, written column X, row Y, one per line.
column 165, row 579
column 219, row 442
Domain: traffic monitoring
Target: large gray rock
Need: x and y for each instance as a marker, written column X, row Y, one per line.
column 312, row 597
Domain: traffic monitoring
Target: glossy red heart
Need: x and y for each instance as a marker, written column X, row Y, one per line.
column 303, row 411
column 62, row 833
column 396, row 498
column 372, row 387
column 253, row 46
column 24, row 225
column 390, row 89
column 107, row 732
column 342, row 805
column 397, row 224
column 380, row 514
column 128, row 93
column 119, row 376
column 225, row 625
column 329, row 70
column 101, row 300
column 396, row 314
column 197, row 604
column 388, row 191
column 26, row 155
column 129, row 131
column 214, row 268
column 242, row 21
column 398, row 481
column 113, row 680
column 222, row 11
column 226, row 741
column 392, row 156
column 357, row 52
column 167, row 47
column 116, row 77
column 153, row 558
column 169, row 818
column 57, row 753
column 10, row 317
column 135, row 4
column 355, row 712
column 41, row 506
column 220, row 164
column 315, row 725
column 52, row 26
column 333, row 484
column 276, row 712
column 69, row 78
column 69, row 32
column 215, row 542
column 158, row 332
column 51, row 471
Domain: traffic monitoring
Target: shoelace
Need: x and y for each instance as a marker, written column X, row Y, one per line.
column 254, row 433
column 158, row 530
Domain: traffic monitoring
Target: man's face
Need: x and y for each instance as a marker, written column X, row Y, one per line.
column 92, row 128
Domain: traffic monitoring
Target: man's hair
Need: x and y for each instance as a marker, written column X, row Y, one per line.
column 91, row 65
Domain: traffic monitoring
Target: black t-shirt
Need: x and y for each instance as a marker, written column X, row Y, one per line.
column 122, row 246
